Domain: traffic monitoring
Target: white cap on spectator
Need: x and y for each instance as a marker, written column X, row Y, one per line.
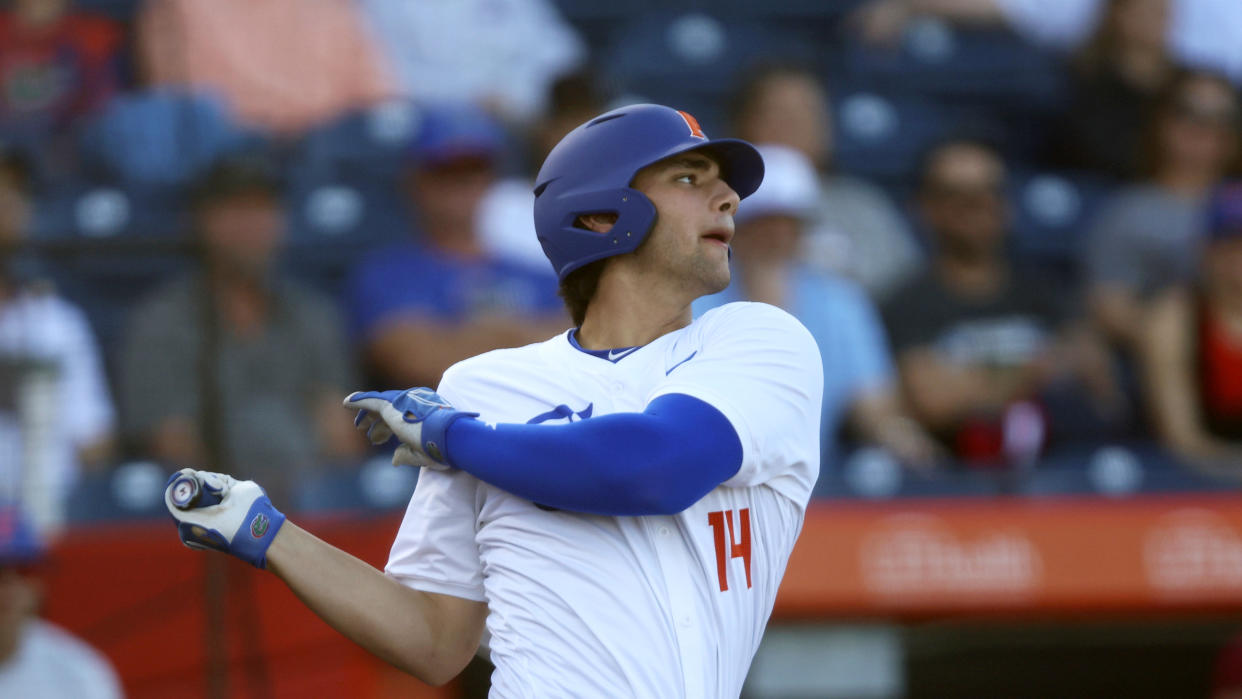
column 790, row 185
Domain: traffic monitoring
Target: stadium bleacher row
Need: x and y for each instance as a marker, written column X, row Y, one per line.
column 135, row 490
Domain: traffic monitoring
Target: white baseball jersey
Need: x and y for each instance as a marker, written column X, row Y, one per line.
column 652, row 606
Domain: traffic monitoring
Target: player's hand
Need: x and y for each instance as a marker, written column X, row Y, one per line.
column 418, row 417
column 215, row 511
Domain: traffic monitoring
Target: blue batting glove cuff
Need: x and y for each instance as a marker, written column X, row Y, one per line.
column 250, row 543
column 262, row 522
column 436, row 415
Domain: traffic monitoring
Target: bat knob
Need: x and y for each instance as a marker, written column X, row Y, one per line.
column 188, row 492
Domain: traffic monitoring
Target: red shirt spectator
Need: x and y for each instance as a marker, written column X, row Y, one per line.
column 55, row 65
column 282, row 65
column 1191, row 349
column 1219, row 363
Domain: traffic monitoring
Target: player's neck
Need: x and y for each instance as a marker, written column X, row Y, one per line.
column 623, row 313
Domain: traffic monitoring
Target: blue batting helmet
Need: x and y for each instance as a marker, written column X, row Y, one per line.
column 591, row 169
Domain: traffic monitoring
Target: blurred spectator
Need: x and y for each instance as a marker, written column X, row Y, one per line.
column 42, row 335
column 1201, row 33
column 37, row 659
column 507, row 213
column 1191, row 342
column 1146, row 236
column 859, row 388
column 281, row 362
column 856, row 232
column 282, row 65
column 161, row 139
column 420, row 306
column 1116, row 78
column 989, row 354
column 500, row 54
column 56, row 65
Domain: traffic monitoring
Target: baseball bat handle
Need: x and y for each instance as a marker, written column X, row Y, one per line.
column 188, row 492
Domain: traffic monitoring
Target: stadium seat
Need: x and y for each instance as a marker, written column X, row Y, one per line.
column 596, row 21
column 1115, row 470
column 576, row 10
column 123, row 10
column 375, row 485
column 691, row 60
column 363, row 143
column 133, row 490
column 869, row 473
column 115, row 244
column 936, row 59
column 803, row 10
column 333, row 221
column 1050, row 212
column 881, row 135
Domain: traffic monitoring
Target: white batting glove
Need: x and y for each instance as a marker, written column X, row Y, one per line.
column 419, row 418
column 217, row 512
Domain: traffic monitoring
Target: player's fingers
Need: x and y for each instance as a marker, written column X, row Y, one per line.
column 373, row 409
column 379, row 432
column 364, row 419
column 215, row 483
column 406, row 456
column 374, row 427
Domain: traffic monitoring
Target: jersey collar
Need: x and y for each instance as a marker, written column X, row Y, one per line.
column 612, row 355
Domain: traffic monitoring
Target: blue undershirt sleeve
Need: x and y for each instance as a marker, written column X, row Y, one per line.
column 659, row 461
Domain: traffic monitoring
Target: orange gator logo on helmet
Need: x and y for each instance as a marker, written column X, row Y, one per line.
column 695, row 129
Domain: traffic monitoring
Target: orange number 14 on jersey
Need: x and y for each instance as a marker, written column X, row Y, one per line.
column 739, row 541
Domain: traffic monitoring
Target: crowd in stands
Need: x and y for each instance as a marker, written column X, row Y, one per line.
column 1009, row 224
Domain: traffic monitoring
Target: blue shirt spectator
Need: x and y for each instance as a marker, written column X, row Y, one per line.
column 407, row 279
column 421, row 306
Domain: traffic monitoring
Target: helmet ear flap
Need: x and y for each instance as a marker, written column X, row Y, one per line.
column 576, row 246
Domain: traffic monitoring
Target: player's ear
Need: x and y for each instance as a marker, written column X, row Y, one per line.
column 600, row 222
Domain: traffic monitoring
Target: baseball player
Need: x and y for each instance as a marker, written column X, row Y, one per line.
column 619, row 504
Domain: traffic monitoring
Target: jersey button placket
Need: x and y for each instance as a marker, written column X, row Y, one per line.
column 681, row 597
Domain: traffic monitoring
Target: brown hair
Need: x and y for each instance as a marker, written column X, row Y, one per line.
column 578, row 288
column 1104, row 44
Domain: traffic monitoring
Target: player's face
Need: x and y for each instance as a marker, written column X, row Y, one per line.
column 689, row 242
